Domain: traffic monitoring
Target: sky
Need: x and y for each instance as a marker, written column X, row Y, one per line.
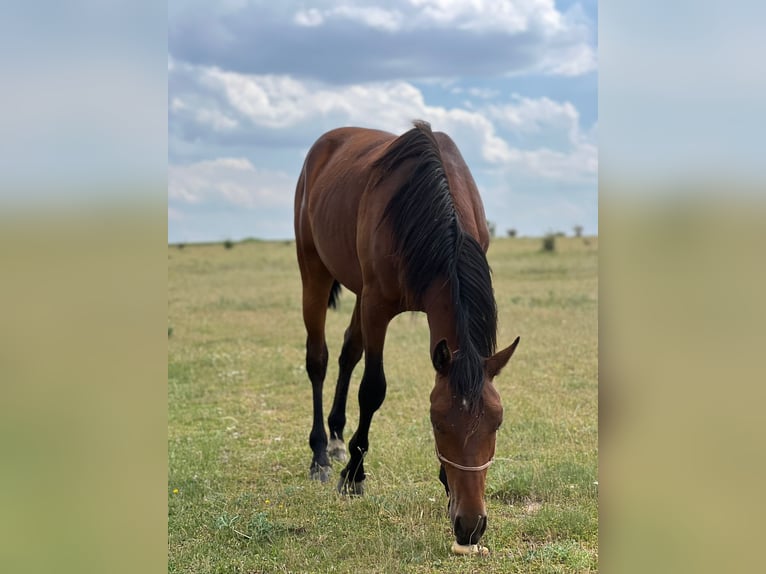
column 252, row 84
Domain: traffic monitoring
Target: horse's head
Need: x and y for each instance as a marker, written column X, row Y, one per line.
column 465, row 440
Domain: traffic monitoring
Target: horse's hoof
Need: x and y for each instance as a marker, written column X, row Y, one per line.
column 349, row 488
column 337, row 450
column 320, row 473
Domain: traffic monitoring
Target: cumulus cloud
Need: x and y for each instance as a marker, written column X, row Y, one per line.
column 371, row 16
column 235, row 181
column 256, row 106
column 488, row 15
column 499, row 15
column 347, row 42
column 251, row 85
column 534, row 114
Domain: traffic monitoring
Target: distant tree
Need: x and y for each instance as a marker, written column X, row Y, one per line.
column 511, row 232
column 492, row 228
column 549, row 242
column 578, row 230
column 228, row 244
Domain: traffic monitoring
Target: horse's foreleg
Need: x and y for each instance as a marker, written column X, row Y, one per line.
column 349, row 357
column 372, row 392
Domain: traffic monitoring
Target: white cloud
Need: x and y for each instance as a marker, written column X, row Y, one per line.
column 252, row 84
column 215, row 119
column 232, row 180
column 534, row 115
column 486, row 15
column 175, row 214
column 474, row 15
column 371, row 16
column 572, row 60
column 351, row 41
column 276, row 102
column 577, row 165
column 309, row 18
column 252, row 104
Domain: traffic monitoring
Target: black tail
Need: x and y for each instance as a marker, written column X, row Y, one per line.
column 334, row 295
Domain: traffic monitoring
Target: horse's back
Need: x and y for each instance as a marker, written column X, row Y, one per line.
column 338, row 223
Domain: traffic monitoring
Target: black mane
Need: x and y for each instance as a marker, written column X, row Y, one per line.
column 430, row 239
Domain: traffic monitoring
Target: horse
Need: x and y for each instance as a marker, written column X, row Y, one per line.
column 399, row 222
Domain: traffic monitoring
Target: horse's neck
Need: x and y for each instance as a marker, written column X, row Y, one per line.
column 441, row 315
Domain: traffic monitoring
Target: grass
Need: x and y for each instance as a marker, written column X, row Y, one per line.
column 239, row 498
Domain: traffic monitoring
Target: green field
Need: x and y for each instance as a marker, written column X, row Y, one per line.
column 239, row 415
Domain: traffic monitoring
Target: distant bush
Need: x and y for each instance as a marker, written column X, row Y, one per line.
column 549, row 242
column 511, row 233
column 228, row 244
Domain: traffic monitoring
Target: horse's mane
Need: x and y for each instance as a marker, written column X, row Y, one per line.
column 430, row 239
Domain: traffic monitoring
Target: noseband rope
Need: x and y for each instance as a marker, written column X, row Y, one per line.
column 460, row 466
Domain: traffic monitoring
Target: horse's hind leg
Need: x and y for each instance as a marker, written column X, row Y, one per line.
column 317, row 283
column 349, row 357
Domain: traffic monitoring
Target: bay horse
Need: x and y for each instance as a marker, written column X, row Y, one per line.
column 399, row 222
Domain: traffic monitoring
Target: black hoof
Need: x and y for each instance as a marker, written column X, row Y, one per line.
column 320, row 473
column 350, row 488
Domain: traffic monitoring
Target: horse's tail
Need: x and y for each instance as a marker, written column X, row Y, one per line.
column 334, row 295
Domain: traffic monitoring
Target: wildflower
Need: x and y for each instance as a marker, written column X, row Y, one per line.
column 175, row 491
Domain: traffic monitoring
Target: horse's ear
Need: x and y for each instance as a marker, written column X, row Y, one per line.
column 442, row 357
column 497, row 361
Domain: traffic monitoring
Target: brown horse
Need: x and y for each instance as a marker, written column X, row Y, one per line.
column 399, row 222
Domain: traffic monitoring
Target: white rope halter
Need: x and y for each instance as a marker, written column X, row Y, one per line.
column 460, row 466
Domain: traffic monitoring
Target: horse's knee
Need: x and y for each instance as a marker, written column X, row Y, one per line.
column 372, row 395
column 372, row 390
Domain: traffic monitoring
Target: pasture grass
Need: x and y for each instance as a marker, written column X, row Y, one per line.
column 239, row 411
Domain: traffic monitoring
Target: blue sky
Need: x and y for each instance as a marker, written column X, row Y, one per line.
column 252, row 84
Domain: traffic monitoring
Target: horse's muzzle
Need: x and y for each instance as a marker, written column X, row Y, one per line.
column 468, row 530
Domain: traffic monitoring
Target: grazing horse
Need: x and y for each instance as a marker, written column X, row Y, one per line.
column 399, row 222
